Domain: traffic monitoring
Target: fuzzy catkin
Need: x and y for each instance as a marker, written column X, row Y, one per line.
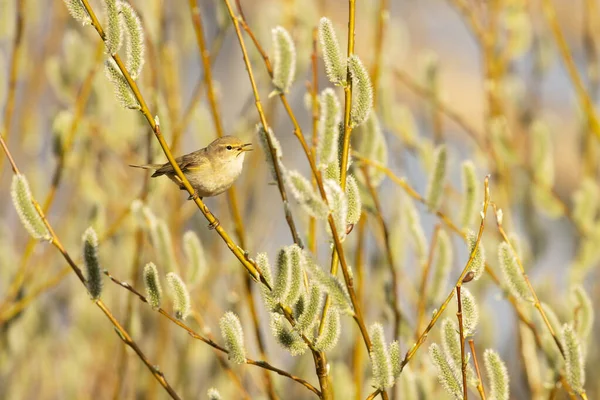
column 471, row 189
column 497, row 374
column 328, row 339
column 330, row 117
column 437, row 179
column 380, row 359
column 180, row 296
column 134, row 40
column 152, row 285
column 284, row 60
column 335, row 62
column 512, row 273
column 362, row 91
column 574, row 363
column 446, row 375
column 478, row 263
column 23, row 203
column 231, row 330
column 78, row 11
column 114, row 33
column 93, row 279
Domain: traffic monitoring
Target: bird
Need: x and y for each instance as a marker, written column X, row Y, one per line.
column 211, row 170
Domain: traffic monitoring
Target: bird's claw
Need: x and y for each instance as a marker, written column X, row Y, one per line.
column 194, row 196
column 214, row 225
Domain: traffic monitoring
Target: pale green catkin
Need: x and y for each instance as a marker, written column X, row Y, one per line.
column 213, row 394
column 264, row 142
column 441, row 266
column 353, row 199
column 179, row 295
column 335, row 62
column 497, row 375
column 542, row 159
column 309, row 316
column 470, row 312
column 231, row 330
column 362, row 91
column 282, row 280
column 380, row 359
column 305, row 195
column 78, row 11
column 23, row 203
column 287, row 338
column 512, row 273
column 134, row 40
column 195, row 255
column 114, row 33
column 332, row 171
column 296, row 274
column 574, row 362
column 584, row 311
column 585, row 203
column 284, row 60
column 416, row 229
column 372, row 145
column 451, row 347
column 437, row 179
column 446, row 374
column 328, row 339
column 93, row 279
column 123, row 92
column 152, row 284
column 338, row 206
column 478, row 263
column 395, row 359
column 262, row 262
column 329, row 119
column 329, row 284
column 471, row 189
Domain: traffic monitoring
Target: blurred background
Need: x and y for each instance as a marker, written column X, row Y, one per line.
column 427, row 59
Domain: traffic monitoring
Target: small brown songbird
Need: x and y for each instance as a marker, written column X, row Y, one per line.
column 211, row 170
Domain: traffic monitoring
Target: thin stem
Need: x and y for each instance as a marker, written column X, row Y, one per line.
column 382, row 20
column 461, row 333
column 423, row 287
column 413, row 350
column 480, row 388
column 314, row 89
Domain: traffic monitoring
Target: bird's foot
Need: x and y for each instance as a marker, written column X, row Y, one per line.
column 195, row 196
column 214, row 225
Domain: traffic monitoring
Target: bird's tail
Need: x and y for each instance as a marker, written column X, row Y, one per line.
column 146, row 166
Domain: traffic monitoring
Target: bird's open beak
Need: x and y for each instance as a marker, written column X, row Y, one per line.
column 243, row 148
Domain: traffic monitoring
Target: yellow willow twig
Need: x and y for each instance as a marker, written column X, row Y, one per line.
column 236, row 250
column 231, row 193
column 480, row 388
column 121, row 331
column 461, row 335
column 413, row 350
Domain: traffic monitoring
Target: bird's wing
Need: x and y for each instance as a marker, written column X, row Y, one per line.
column 187, row 162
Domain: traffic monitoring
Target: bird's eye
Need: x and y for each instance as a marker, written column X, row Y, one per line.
column 229, row 147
